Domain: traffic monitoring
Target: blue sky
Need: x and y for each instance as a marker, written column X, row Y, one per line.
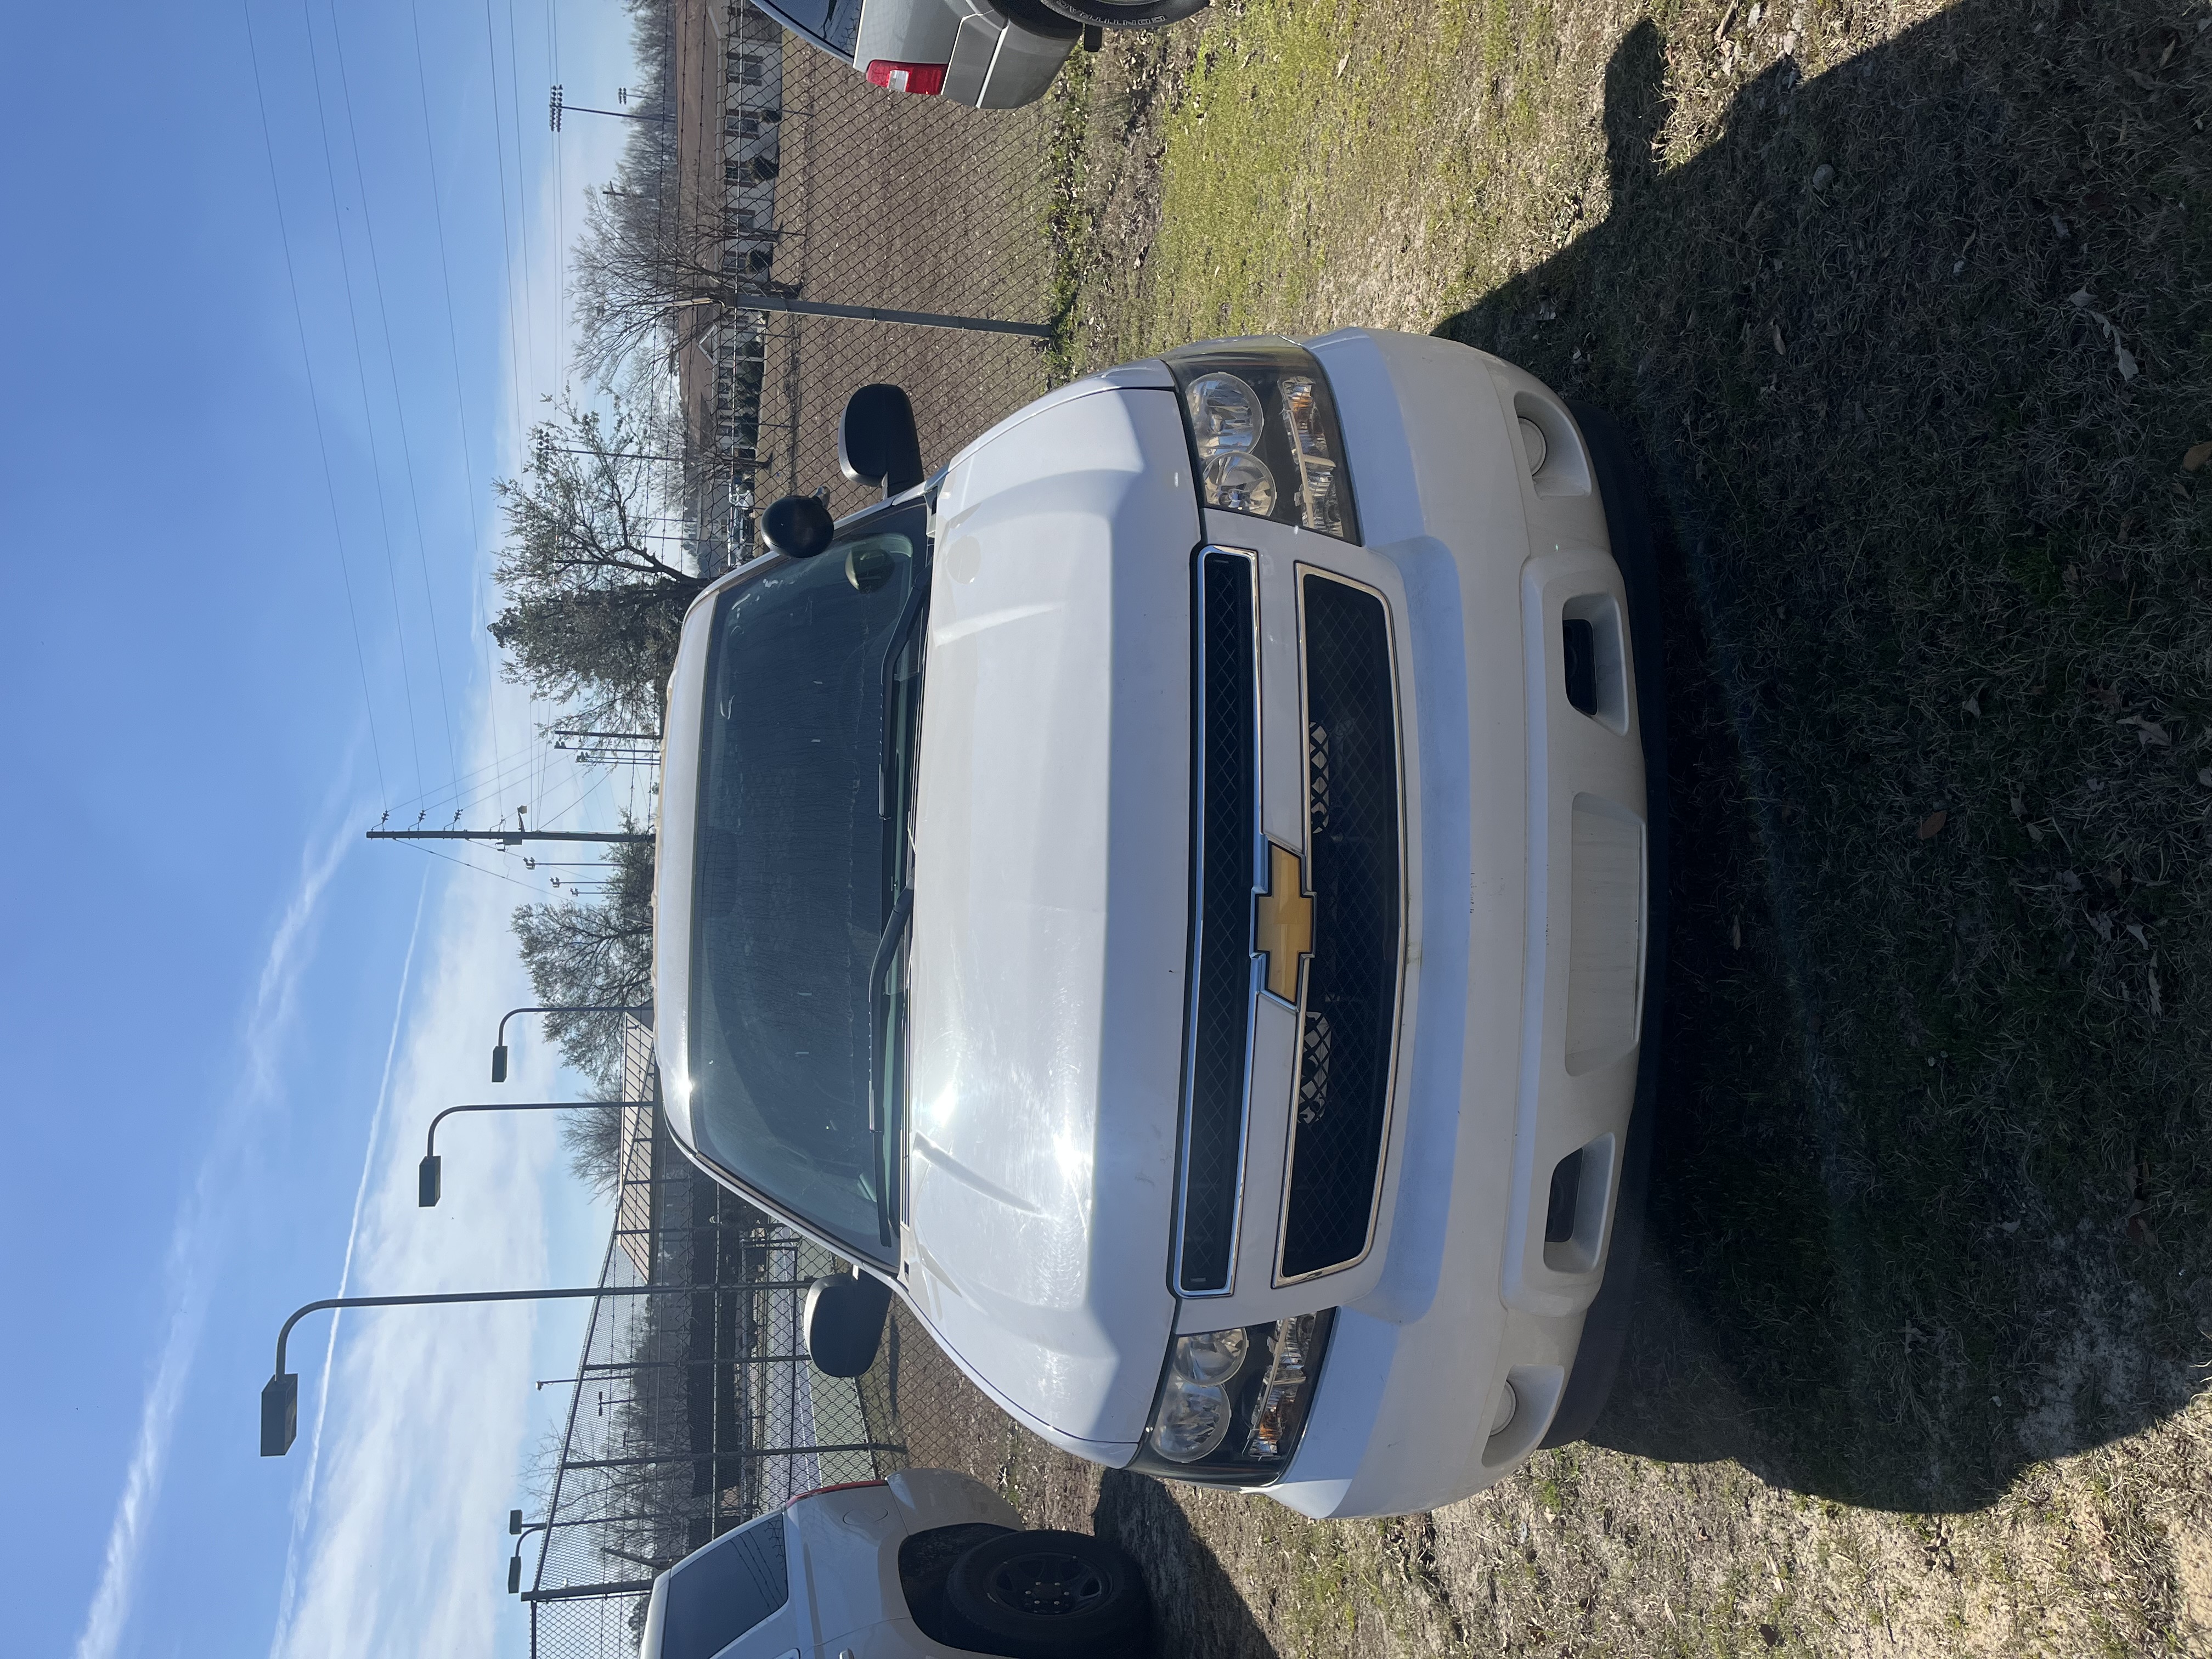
column 242, row 616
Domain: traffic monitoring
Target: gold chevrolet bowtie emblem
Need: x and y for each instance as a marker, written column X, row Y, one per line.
column 1282, row 923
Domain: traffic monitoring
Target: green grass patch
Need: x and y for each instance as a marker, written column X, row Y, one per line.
column 1938, row 1106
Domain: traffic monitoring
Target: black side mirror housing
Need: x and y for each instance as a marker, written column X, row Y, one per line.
column 797, row 527
column 877, row 442
column 843, row 1321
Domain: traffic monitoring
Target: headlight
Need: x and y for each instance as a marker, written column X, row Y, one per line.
column 1225, row 414
column 1192, row 1420
column 1264, row 435
column 1233, row 1403
column 1239, row 481
column 1211, row 1356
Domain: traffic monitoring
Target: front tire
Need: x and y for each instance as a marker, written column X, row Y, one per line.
column 1047, row 1595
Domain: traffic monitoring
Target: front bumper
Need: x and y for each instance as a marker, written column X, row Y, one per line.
column 1522, row 1020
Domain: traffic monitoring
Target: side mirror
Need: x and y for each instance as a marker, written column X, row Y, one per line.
column 876, row 441
column 843, row 1323
column 797, row 527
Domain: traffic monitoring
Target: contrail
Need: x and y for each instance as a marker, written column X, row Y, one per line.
column 185, row 1267
column 303, row 1504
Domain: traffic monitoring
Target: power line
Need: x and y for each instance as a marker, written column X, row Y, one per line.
column 453, row 346
column 514, row 837
column 495, row 875
column 560, row 228
column 361, row 372
column 314, row 400
column 398, row 403
column 506, row 232
column 521, row 184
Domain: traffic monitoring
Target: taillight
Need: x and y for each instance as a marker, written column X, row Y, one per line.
column 926, row 79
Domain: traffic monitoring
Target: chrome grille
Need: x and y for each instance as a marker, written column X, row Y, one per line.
column 1225, row 816
column 1354, row 864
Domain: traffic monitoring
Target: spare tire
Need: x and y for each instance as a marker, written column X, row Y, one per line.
column 1047, row 1595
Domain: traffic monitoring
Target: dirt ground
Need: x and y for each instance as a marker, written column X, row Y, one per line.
column 1909, row 308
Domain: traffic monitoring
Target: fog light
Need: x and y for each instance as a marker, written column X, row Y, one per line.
column 1509, row 1408
column 1533, row 442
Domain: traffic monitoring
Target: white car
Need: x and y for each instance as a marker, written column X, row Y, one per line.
column 927, row 1562
column 1174, row 897
column 988, row 54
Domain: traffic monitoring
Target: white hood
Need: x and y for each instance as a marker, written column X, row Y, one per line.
column 1051, row 889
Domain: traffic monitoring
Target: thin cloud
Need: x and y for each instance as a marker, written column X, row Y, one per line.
column 399, row 1549
column 186, row 1268
column 303, row 1506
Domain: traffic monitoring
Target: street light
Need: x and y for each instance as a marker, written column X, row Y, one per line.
column 499, row 1050
column 517, row 1530
column 280, row 1395
column 429, row 1177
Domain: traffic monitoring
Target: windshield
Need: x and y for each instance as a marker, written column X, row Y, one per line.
column 801, row 858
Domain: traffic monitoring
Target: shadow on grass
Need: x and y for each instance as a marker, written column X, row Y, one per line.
column 1196, row 1607
column 1914, row 350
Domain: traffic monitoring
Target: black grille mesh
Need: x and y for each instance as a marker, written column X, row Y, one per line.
column 1224, row 804
column 1352, row 985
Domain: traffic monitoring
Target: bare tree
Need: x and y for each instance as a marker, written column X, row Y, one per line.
column 596, row 591
column 595, row 952
column 652, row 272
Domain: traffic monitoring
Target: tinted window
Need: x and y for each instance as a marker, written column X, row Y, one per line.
column 723, row 1590
column 831, row 23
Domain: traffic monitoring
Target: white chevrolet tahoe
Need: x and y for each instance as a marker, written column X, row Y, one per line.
column 1173, row 897
column 926, row 1565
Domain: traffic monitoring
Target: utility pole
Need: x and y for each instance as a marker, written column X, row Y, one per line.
column 515, row 837
column 559, row 106
column 512, row 838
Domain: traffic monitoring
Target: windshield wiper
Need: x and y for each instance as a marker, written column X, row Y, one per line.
column 917, row 606
column 879, row 1037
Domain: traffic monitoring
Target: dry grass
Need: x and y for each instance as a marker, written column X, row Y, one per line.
column 1910, row 308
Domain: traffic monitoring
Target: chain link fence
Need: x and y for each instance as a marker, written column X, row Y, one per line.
column 837, row 191
column 691, row 1414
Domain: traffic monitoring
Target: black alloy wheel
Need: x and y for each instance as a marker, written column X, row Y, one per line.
column 1047, row 1595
